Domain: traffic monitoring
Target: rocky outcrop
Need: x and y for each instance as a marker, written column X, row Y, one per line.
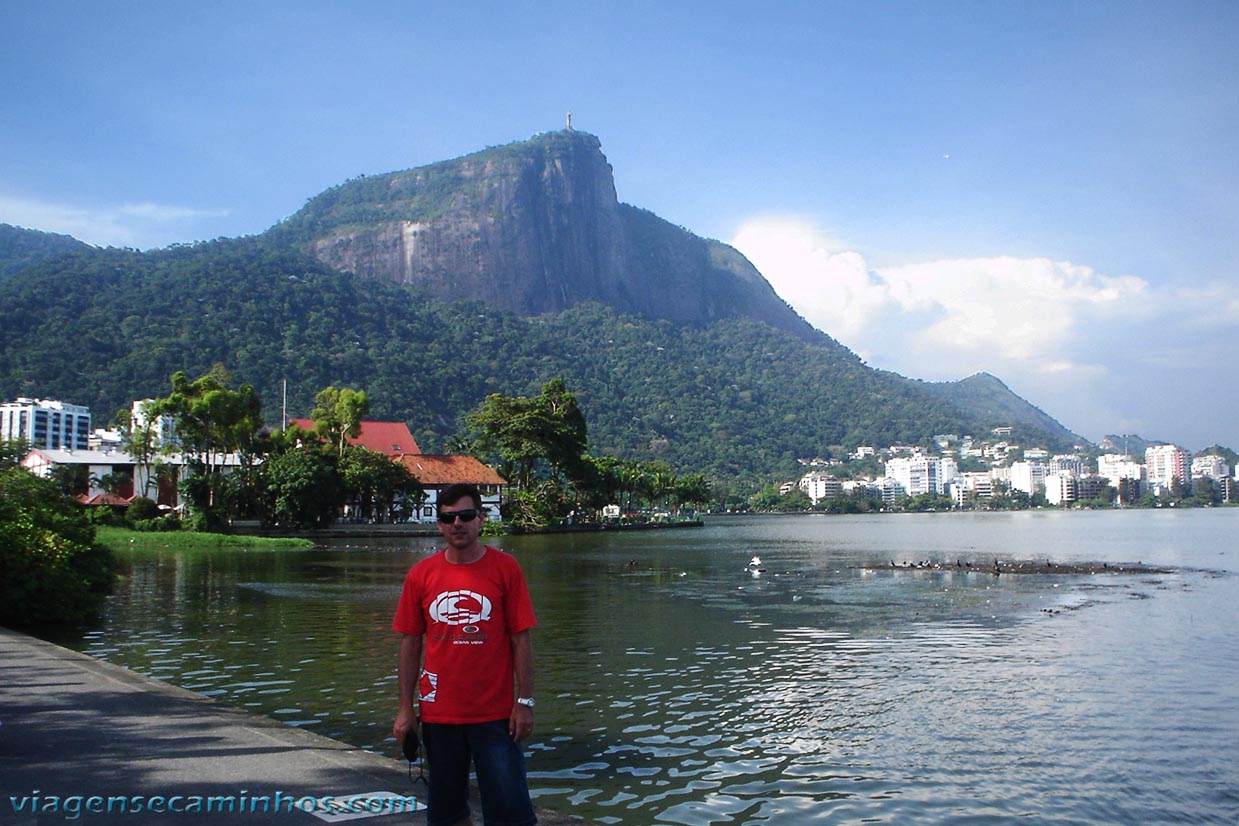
column 533, row 227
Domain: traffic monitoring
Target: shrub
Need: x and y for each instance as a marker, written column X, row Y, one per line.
column 142, row 507
column 51, row 569
column 167, row 523
column 160, row 524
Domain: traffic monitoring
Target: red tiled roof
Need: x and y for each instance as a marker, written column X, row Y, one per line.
column 389, row 438
column 105, row 499
column 439, row 471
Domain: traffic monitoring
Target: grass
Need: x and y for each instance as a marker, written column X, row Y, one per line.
column 119, row 539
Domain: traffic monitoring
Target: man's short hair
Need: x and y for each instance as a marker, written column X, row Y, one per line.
column 452, row 494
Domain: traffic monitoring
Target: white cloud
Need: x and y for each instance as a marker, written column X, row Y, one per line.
column 142, row 225
column 947, row 318
column 1068, row 338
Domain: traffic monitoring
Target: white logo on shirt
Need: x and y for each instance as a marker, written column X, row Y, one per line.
column 460, row 608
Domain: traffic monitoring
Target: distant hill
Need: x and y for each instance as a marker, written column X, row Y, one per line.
column 676, row 346
column 986, row 397
column 21, row 248
column 1128, row 444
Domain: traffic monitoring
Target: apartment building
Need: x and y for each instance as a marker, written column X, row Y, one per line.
column 1028, row 477
column 1061, row 488
column 1213, row 467
column 1067, row 464
column 917, row 475
column 818, row 486
column 46, row 424
column 1165, row 463
column 1116, row 467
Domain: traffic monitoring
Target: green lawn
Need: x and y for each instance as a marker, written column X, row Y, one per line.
column 122, row 538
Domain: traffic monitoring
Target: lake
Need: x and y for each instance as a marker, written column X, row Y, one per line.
column 677, row 686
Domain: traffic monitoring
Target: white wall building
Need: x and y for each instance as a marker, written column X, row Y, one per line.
column 163, row 428
column 1028, row 477
column 917, row 475
column 889, row 489
column 1165, row 463
column 968, row 486
column 143, row 479
column 46, row 424
column 1068, row 464
column 1116, row 467
column 1214, row 467
column 819, row 485
column 1061, row 488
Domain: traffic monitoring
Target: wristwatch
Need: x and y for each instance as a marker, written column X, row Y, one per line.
column 525, row 701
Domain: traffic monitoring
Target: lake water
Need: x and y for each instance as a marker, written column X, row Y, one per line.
column 676, row 687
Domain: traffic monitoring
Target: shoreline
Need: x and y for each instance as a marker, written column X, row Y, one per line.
column 999, row 567
column 429, row 530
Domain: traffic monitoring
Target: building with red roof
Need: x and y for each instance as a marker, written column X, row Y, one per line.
column 436, row 472
column 389, row 438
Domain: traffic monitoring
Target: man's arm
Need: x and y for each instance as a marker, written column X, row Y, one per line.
column 410, row 673
column 520, row 723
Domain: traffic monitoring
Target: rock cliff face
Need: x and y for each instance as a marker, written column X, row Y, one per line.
column 531, row 228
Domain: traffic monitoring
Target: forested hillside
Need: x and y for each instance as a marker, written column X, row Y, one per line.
column 737, row 399
column 21, row 248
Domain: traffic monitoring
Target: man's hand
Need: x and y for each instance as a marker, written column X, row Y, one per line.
column 520, row 722
column 403, row 723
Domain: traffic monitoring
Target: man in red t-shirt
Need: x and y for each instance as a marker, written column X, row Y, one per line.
column 466, row 616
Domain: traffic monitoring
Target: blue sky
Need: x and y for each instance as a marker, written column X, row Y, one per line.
column 1047, row 191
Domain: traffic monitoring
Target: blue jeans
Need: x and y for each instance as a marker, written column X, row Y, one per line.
column 500, row 767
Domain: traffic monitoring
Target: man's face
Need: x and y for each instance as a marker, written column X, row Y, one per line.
column 459, row 531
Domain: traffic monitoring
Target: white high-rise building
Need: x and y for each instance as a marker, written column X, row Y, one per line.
column 47, row 424
column 1061, row 488
column 1214, row 467
column 1116, row 467
column 1165, row 463
column 1028, row 477
column 1069, row 464
column 163, row 428
column 967, row 486
column 819, row 485
column 917, row 475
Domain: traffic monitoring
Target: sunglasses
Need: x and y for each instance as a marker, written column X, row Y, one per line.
column 464, row 516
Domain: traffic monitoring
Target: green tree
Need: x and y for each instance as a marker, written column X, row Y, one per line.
column 541, row 436
column 51, row 569
column 12, row 451
column 374, row 485
column 212, row 420
column 303, row 489
column 71, row 480
column 601, row 486
column 337, row 415
column 141, row 442
column 692, row 489
column 114, row 483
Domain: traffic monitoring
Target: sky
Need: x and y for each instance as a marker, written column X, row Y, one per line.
column 1046, row 191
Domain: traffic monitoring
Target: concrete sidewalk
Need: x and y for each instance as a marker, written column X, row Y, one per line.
column 79, row 736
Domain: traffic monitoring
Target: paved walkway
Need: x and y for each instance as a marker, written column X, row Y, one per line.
column 79, row 736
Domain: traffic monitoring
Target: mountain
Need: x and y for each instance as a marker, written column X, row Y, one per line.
column 986, row 397
column 675, row 345
column 533, row 227
column 21, row 248
column 1128, row 444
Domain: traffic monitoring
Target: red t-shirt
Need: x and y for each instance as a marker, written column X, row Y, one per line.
column 467, row 614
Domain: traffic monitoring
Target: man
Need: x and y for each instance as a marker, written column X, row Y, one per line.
column 471, row 605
